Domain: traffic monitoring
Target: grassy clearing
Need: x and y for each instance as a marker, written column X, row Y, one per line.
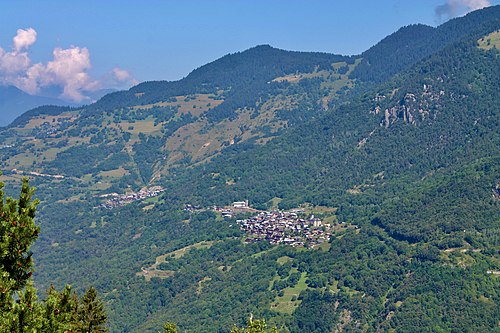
column 327, row 214
column 294, row 78
column 199, row 287
column 100, row 186
column 341, row 228
column 319, row 209
column 349, row 291
column 151, row 274
column 153, row 271
column 283, row 260
column 50, row 154
column 334, row 287
column 275, row 202
column 201, row 140
column 22, row 160
column 259, row 254
column 491, row 41
column 181, row 252
column 271, row 283
column 116, row 173
column 151, row 200
column 148, row 207
column 11, row 177
column 146, row 126
column 74, row 198
column 37, row 121
column 195, row 104
column 289, row 301
column 325, row 246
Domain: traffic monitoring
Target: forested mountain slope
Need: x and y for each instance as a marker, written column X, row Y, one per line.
column 413, row 164
column 136, row 137
column 133, row 138
column 250, row 70
column 406, row 173
column 423, row 120
column 410, row 44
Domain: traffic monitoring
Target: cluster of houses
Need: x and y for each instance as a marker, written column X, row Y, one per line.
column 281, row 227
column 277, row 227
column 45, row 129
column 191, row 208
column 117, row 200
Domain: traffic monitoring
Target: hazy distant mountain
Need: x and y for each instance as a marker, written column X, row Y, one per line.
column 14, row 102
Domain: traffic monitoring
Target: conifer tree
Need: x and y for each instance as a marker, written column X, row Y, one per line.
column 20, row 310
column 60, row 310
column 91, row 315
column 255, row 326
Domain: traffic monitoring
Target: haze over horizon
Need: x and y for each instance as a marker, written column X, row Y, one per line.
column 78, row 48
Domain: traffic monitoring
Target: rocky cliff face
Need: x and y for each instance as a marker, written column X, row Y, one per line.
column 410, row 107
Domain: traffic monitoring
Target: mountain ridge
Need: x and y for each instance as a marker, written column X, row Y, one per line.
column 410, row 44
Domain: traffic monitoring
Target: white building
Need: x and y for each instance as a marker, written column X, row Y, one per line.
column 240, row 204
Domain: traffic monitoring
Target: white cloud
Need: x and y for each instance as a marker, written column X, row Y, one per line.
column 68, row 69
column 476, row 4
column 24, row 39
column 121, row 74
column 454, row 8
column 118, row 78
column 13, row 62
column 29, row 81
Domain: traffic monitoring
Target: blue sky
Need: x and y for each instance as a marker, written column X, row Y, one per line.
column 165, row 40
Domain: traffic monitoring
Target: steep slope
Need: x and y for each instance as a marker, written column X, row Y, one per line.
column 133, row 138
column 248, row 97
column 415, row 166
column 439, row 115
column 410, row 44
column 250, row 70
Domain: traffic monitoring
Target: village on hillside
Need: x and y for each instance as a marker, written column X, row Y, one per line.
column 281, row 227
column 118, row 200
column 277, row 227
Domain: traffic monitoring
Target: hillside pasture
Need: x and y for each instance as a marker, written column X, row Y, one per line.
column 491, row 41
